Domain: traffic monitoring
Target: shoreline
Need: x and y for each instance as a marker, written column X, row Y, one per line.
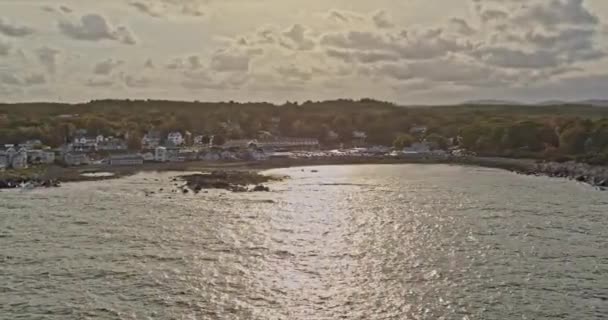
column 51, row 175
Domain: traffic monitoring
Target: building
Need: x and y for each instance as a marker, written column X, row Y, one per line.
column 151, row 140
column 287, row 144
column 148, row 156
column 4, row 163
column 161, row 154
column 419, row 130
column 40, row 156
column 19, row 160
column 201, row 140
column 359, row 138
column 176, row 138
column 76, row 159
column 239, row 143
column 31, row 144
column 211, row 155
column 83, row 143
column 112, row 144
column 126, row 160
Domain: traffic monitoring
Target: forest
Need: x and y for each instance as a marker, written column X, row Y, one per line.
column 560, row 132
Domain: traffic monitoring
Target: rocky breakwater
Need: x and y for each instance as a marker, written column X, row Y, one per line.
column 235, row 181
column 594, row 175
column 13, row 183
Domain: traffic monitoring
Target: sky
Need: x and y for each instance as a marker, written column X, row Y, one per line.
column 405, row 51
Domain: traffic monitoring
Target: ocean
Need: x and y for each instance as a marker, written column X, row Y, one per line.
column 330, row 242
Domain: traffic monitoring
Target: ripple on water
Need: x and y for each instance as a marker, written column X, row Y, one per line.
column 352, row 242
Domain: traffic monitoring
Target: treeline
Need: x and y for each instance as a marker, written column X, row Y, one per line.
column 556, row 132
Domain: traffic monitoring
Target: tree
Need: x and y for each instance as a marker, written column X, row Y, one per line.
column 438, row 141
column 218, row 140
column 572, row 140
column 134, row 141
column 403, row 140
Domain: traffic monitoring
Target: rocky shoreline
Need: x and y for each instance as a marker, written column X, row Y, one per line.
column 593, row 175
column 235, row 181
column 14, row 183
column 237, row 176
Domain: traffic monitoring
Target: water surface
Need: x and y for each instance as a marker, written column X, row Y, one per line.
column 346, row 242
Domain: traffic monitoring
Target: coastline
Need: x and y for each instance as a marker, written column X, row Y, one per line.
column 47, row 176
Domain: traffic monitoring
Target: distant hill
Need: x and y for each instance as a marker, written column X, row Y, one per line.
column 494, row 102
column 491, row 102
column 594, row 102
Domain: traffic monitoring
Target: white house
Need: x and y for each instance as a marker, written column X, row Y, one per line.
column 161, row 154
column 151, row 140
column 100, row 138
column 176, row 138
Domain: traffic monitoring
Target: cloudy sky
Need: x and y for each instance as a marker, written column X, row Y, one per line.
column 407, row 51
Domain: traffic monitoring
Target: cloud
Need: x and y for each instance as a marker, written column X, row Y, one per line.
column 35, row 79
column 99, row 82
column 462, row 26
column 559, row 12
column 5, row 48
column 149, row 64
column 65, row 9
column 136, row 82
column 94, row 27
column 48, row 58
column 426, row 44
column 163, row 8
column 298, row 39
column 493, row 15
column 382, row 20
column 106, row 67
column 233, row 60
column 29, row 80
column 13, row 30
column 293, row 72
column 518, row 59
column 10, row 79
column 148, row 8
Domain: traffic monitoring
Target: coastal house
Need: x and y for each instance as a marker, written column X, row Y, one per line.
column 4, row 163
column 126, row 160
column 19, row 159
column 83, row 143
column 41, row 156
column 32, row 144
column 359, row 138
column 418, row 130
column 161, row 154
column 211, row 155
column 166, row 154
column 283, row 143
column 151, row 140
column 176, row 138
column 112, row 144
column 148, row 156
column 201, row 140
column 76, row 159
